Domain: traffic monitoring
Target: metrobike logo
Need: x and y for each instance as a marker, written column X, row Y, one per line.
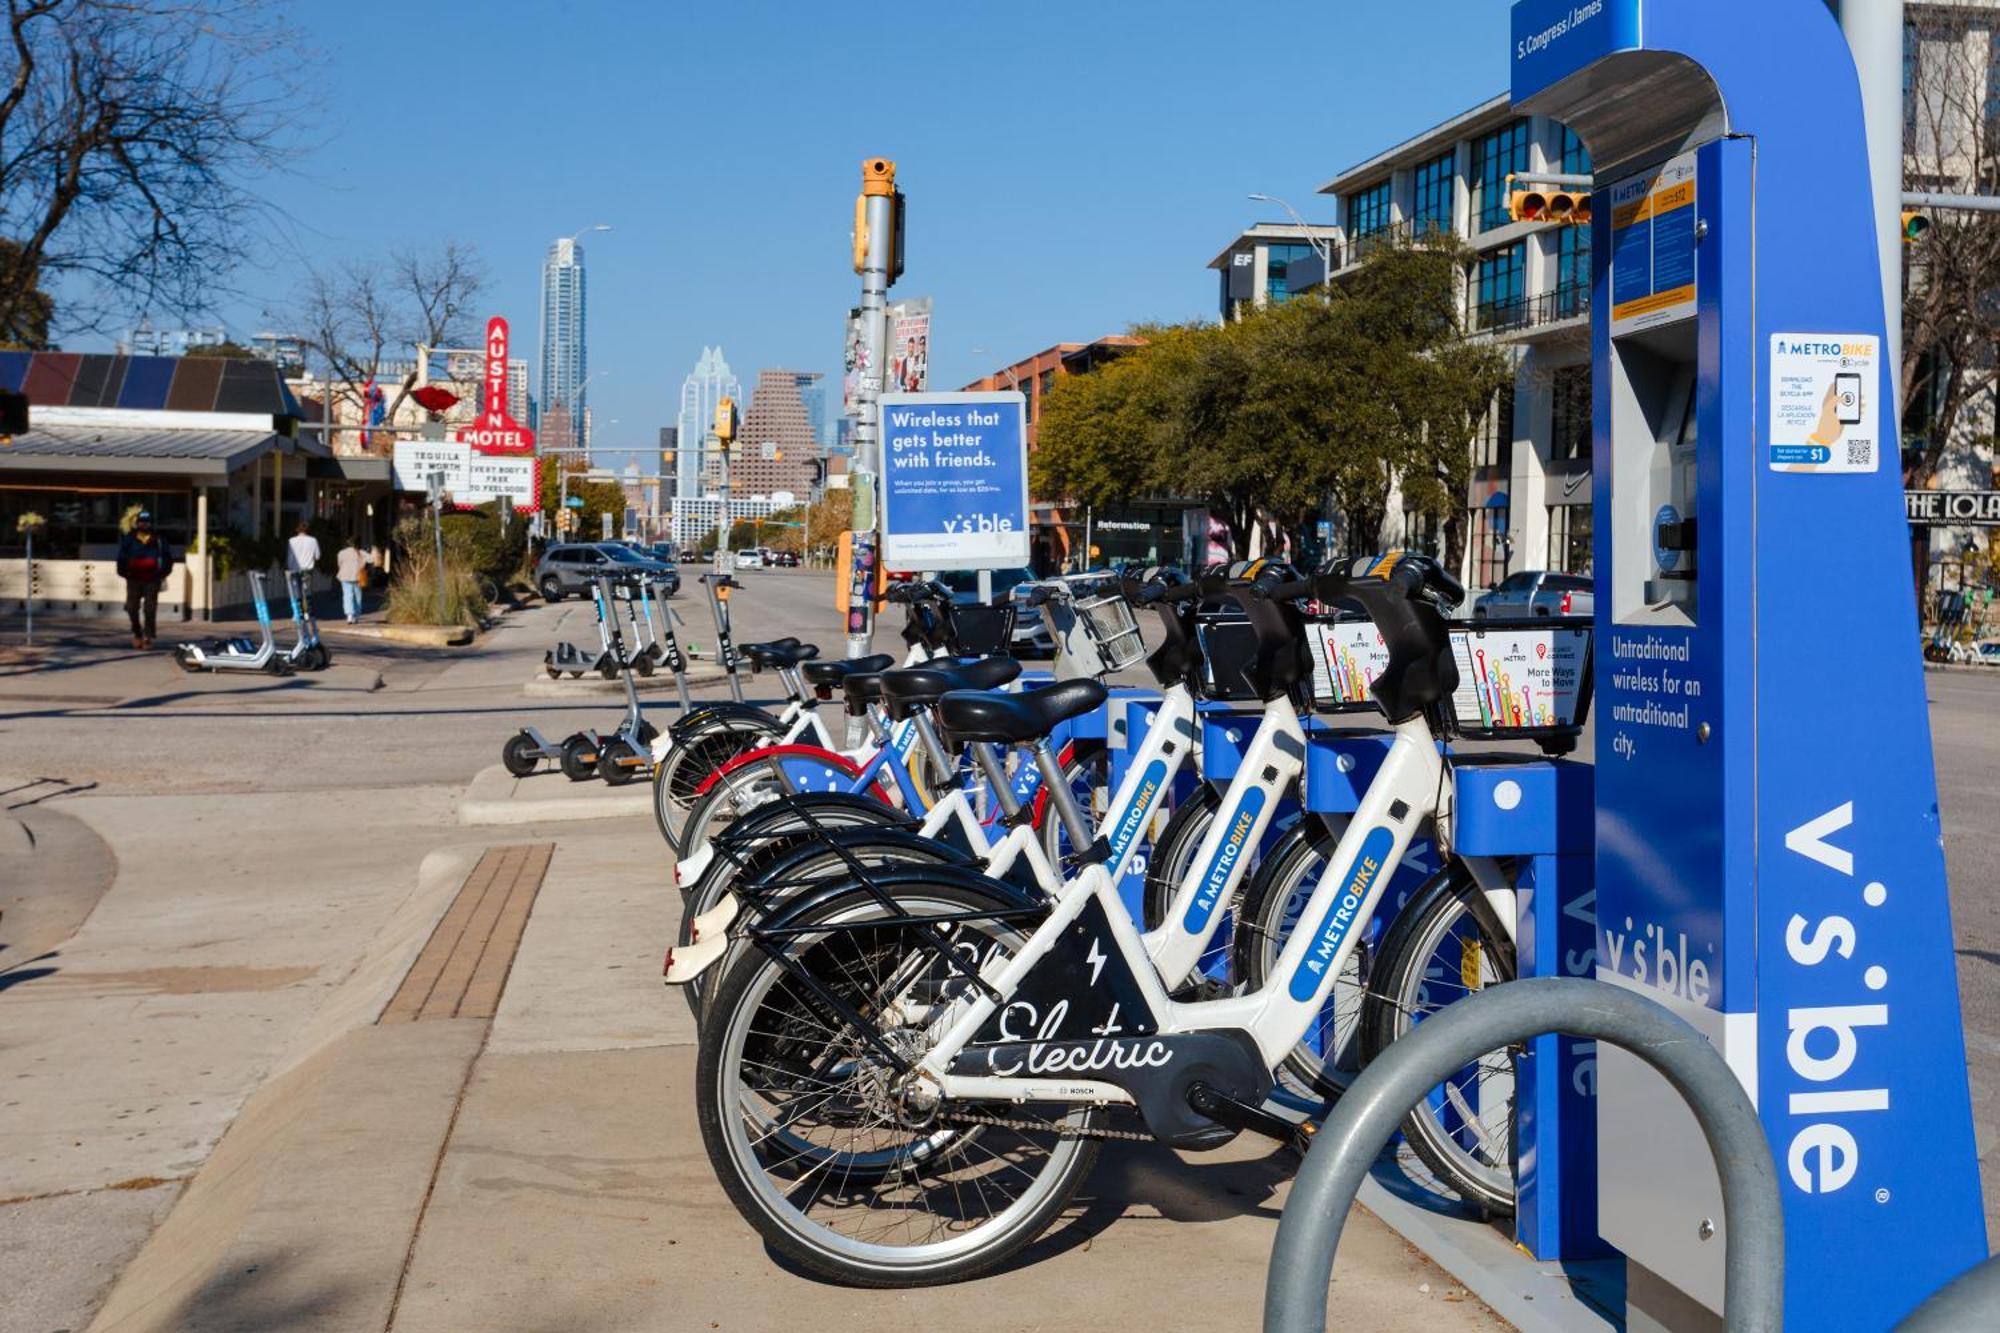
column 1221, row 868
column 1135, row 814
column 1344, row 912
column 903, row 740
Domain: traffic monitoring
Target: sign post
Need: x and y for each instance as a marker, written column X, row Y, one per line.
column 955, row 480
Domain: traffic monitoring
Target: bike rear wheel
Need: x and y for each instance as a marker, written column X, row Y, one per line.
column 829, row 1152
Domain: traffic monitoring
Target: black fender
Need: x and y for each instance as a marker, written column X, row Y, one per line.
column 798, row 912
column 709, row 716
column 766, row 879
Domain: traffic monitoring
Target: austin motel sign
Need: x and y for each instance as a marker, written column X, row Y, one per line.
column 495, row 431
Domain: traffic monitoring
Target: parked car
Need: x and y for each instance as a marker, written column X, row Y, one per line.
column 569, row 567
column 785, row 559
column 1031, row 637
column 1537, row 592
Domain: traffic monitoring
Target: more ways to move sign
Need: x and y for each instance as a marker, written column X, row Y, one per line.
column 954, row 480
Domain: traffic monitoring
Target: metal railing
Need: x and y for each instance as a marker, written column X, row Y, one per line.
column 1295, row 1288
column 1569, row 301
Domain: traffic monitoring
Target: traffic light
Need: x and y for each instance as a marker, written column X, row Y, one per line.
column 1568, row 207
column 1915, row 224
column 725, row 419
column 878, row 178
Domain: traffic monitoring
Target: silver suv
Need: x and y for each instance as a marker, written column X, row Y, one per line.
column 570, row 567
column 1537, row 592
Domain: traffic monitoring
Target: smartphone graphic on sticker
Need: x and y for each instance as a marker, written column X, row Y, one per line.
column 1847, row 398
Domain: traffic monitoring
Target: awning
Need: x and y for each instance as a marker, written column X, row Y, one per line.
column 206, row 455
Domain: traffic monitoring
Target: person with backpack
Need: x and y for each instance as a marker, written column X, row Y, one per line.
column 143, row 562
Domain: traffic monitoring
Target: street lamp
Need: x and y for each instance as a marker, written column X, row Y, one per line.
column 1321, row 247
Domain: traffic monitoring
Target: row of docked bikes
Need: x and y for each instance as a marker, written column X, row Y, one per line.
column 935, row 970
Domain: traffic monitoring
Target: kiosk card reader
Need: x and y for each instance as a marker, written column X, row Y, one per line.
column 1768, row 863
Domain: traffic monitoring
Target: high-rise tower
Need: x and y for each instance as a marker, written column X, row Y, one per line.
column 565, row 360
column 711, row 381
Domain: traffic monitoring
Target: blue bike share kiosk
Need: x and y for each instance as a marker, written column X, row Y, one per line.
column 1768, row 863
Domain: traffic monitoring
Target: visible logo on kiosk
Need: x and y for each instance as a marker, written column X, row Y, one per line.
column 1224, row 864
column 1346, row 909
column 1822, row 1042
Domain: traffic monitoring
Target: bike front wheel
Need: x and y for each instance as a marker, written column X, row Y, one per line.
column 1438, row 952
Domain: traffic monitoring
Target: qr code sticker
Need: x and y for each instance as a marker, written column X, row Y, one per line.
column 1861, row 454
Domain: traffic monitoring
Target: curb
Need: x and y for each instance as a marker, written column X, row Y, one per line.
column 540, row 686
column 1534, row 1297
column 1967, row 667
column 496, row 797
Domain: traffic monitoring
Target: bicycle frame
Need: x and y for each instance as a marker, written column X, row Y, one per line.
column 1413, row 784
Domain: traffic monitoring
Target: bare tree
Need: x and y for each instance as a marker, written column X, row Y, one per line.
column 130, row 134
column 360, row 317
column 1951, row 309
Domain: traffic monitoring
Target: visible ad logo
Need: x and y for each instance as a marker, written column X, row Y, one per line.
column 1346, row 909
column 1822, row 1041
column 1223, row 867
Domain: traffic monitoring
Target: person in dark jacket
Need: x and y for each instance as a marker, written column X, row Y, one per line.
column 143, row 562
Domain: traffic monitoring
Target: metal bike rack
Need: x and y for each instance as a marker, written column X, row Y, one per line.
column 1295, row 1288
column 1967, row 1304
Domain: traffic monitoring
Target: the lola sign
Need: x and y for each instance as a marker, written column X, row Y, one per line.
column 496, row 432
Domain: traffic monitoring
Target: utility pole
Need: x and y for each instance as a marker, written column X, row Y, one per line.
column 725, row 432
column 878, row 258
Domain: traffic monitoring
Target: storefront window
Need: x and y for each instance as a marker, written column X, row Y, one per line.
column 84, row 524
column 1486, row 531
column 1569, row 539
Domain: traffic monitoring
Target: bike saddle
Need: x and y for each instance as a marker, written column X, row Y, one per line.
column 833, row 673
column 862, row 688
column 778, row 653
column 972, row 716
column 916, row 687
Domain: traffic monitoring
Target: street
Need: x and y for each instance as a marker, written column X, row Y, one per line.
column 211, row 886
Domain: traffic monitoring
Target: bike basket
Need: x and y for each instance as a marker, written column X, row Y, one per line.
column 1522, row 680
column 1111, row 625
column 1228, row 657
column 1348, row 654
column 980, row 631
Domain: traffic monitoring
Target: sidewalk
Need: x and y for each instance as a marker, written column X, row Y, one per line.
column 571, row 1189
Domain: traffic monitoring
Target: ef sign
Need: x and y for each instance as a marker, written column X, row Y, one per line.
column 496, row 432
column 954, row 481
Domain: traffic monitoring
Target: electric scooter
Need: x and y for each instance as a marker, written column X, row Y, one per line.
column 719, row 587
column 308, row 653
column 527, row 748
column 567, row 658
column 239, row 654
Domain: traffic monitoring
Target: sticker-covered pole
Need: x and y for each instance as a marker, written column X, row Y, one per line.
column 877, row 242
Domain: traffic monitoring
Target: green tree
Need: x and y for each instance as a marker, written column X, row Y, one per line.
column 1339, row 397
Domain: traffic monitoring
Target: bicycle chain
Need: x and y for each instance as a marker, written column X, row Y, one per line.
column 1045, row 1127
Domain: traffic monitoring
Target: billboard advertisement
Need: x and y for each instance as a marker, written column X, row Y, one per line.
column 954, row 481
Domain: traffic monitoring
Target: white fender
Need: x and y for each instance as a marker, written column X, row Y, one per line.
column 685, row 962
column 715, row 921
column 690, row 867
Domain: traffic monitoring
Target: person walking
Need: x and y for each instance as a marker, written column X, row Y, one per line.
column 302, row 551
column 350, row 565
column 143, row 562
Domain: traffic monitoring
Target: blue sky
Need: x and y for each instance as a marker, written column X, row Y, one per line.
column 1070, row 168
